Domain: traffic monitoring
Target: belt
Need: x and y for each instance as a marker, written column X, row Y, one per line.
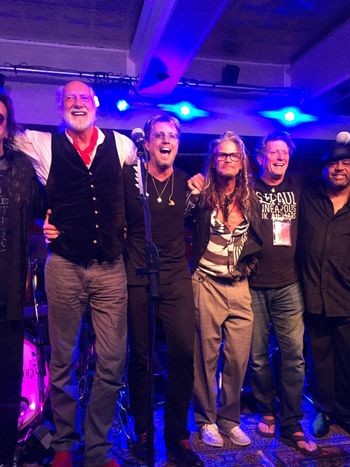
column 228, row 280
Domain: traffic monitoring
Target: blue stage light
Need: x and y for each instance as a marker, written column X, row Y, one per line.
column 184, row 110
column 288, row 116
column 122, row 105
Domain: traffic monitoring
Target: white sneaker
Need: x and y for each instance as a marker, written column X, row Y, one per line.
column 238, row 437
column 210, row 435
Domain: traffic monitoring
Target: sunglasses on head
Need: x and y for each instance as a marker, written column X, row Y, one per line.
column 2, row 119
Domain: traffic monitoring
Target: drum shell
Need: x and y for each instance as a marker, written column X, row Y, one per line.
column 35, row 384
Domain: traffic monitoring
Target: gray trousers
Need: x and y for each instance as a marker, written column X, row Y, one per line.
column 70, row 288
column 224, row 319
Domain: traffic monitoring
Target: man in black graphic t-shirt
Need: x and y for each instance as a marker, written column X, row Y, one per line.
column 278, row 224
column 18, row 196
column 168, row 196
column 276, row 295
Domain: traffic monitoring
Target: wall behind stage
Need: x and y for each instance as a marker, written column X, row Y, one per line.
column 194, row 147
column 35, row 105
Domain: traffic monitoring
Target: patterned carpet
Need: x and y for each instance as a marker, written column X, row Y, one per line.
column 263, row 451
column 335, row 447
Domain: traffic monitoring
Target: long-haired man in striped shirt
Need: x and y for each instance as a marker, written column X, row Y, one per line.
column 224, row 247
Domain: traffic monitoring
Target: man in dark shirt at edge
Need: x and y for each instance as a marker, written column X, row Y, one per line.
column 276, row 295
column 325, row 270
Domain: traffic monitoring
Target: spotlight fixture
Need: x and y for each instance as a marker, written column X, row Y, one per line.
column 112, row 97
column 288, row 116
column 122, row 105
column 184, row 110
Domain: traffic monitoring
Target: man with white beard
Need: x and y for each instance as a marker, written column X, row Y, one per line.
column 81, row 169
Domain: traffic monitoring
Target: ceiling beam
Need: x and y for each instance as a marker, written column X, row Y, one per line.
column 168, row 36
column 326, row 65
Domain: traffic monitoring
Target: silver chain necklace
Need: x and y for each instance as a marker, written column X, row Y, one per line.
column 171, row 202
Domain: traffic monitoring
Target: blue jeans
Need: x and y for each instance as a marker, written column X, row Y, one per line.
column 283, row 308
column 70, row 288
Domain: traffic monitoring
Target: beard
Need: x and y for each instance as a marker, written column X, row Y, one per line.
column 78, row 124
column 336, row 185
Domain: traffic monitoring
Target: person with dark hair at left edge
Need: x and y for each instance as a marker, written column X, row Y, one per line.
column 19, row 195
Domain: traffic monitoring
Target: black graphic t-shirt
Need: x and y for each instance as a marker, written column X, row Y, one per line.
column 167, row 226
column 4, row 213
column 279, row 206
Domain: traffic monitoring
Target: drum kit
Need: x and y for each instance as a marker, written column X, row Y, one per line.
column 34, row 408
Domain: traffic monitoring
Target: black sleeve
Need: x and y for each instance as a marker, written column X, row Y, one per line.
column 39, row 198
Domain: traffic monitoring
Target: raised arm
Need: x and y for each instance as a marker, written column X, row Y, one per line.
column 37, row 146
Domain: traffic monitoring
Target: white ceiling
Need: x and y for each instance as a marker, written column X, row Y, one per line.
column 282, row 33
column 268, row 31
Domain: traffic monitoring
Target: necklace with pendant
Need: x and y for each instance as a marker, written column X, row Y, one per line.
column 228, row 203
column 171, row 202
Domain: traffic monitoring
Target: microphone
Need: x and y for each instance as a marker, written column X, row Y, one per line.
column 138, row 136
column 343, row 137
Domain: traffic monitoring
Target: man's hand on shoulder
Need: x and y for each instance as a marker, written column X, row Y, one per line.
column 196, row 184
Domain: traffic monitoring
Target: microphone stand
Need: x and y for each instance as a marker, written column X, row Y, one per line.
column 152, row 271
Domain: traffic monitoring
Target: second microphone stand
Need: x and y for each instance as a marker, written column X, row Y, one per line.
column 152, row 271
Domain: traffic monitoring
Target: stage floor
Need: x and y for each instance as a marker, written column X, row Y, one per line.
column 335, row 447
column 262, row 451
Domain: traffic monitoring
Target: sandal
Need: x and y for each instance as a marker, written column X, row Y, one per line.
column 292, row 441
column 268, row 422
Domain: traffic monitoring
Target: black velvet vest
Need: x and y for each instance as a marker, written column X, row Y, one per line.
column 87, row 204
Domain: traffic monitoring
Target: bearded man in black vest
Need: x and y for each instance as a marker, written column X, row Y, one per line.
column 81, row 169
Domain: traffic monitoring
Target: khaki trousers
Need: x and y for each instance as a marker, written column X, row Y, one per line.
column 224, row 323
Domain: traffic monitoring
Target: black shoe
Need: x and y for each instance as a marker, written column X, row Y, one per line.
column 345, row 425
column 320, row 425
column 140, row 447
column 182, row 454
